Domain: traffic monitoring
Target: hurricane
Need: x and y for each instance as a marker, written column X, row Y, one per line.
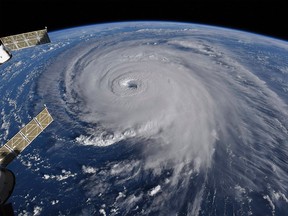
column 164, row 121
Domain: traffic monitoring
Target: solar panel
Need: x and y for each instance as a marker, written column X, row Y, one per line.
column 24, row 137
column 24, row 40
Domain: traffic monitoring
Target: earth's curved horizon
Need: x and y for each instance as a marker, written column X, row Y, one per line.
column 150, row 118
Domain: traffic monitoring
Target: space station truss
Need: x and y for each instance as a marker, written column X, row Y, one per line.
column 24, row 40
column 24, row 137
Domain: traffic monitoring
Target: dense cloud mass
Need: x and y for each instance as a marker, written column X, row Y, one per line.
column 190, row 125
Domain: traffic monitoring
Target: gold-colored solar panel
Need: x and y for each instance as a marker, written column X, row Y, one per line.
column 24, row 137
column 28, row 39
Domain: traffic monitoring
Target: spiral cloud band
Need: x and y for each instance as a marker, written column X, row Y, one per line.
column 184, row 99
column 145, row 90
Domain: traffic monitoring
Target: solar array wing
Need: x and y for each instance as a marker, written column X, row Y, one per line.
column 24, row 40
column 24, row 137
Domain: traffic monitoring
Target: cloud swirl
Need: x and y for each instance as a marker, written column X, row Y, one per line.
column 187, row 100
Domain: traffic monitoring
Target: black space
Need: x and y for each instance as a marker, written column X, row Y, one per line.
column 264, row 17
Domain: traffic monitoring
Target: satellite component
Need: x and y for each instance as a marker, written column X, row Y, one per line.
column 12, row 43
column 5, row 55
column 15, row 146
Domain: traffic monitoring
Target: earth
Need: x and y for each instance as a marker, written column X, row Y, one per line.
column 150, row 118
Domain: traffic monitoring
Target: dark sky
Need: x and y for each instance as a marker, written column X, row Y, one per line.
column 264, row 17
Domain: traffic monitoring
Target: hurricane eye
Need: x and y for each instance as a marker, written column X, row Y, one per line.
column 132, row 85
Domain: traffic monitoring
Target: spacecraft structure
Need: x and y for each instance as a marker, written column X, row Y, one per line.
column 10, row 150
column 11, row 43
